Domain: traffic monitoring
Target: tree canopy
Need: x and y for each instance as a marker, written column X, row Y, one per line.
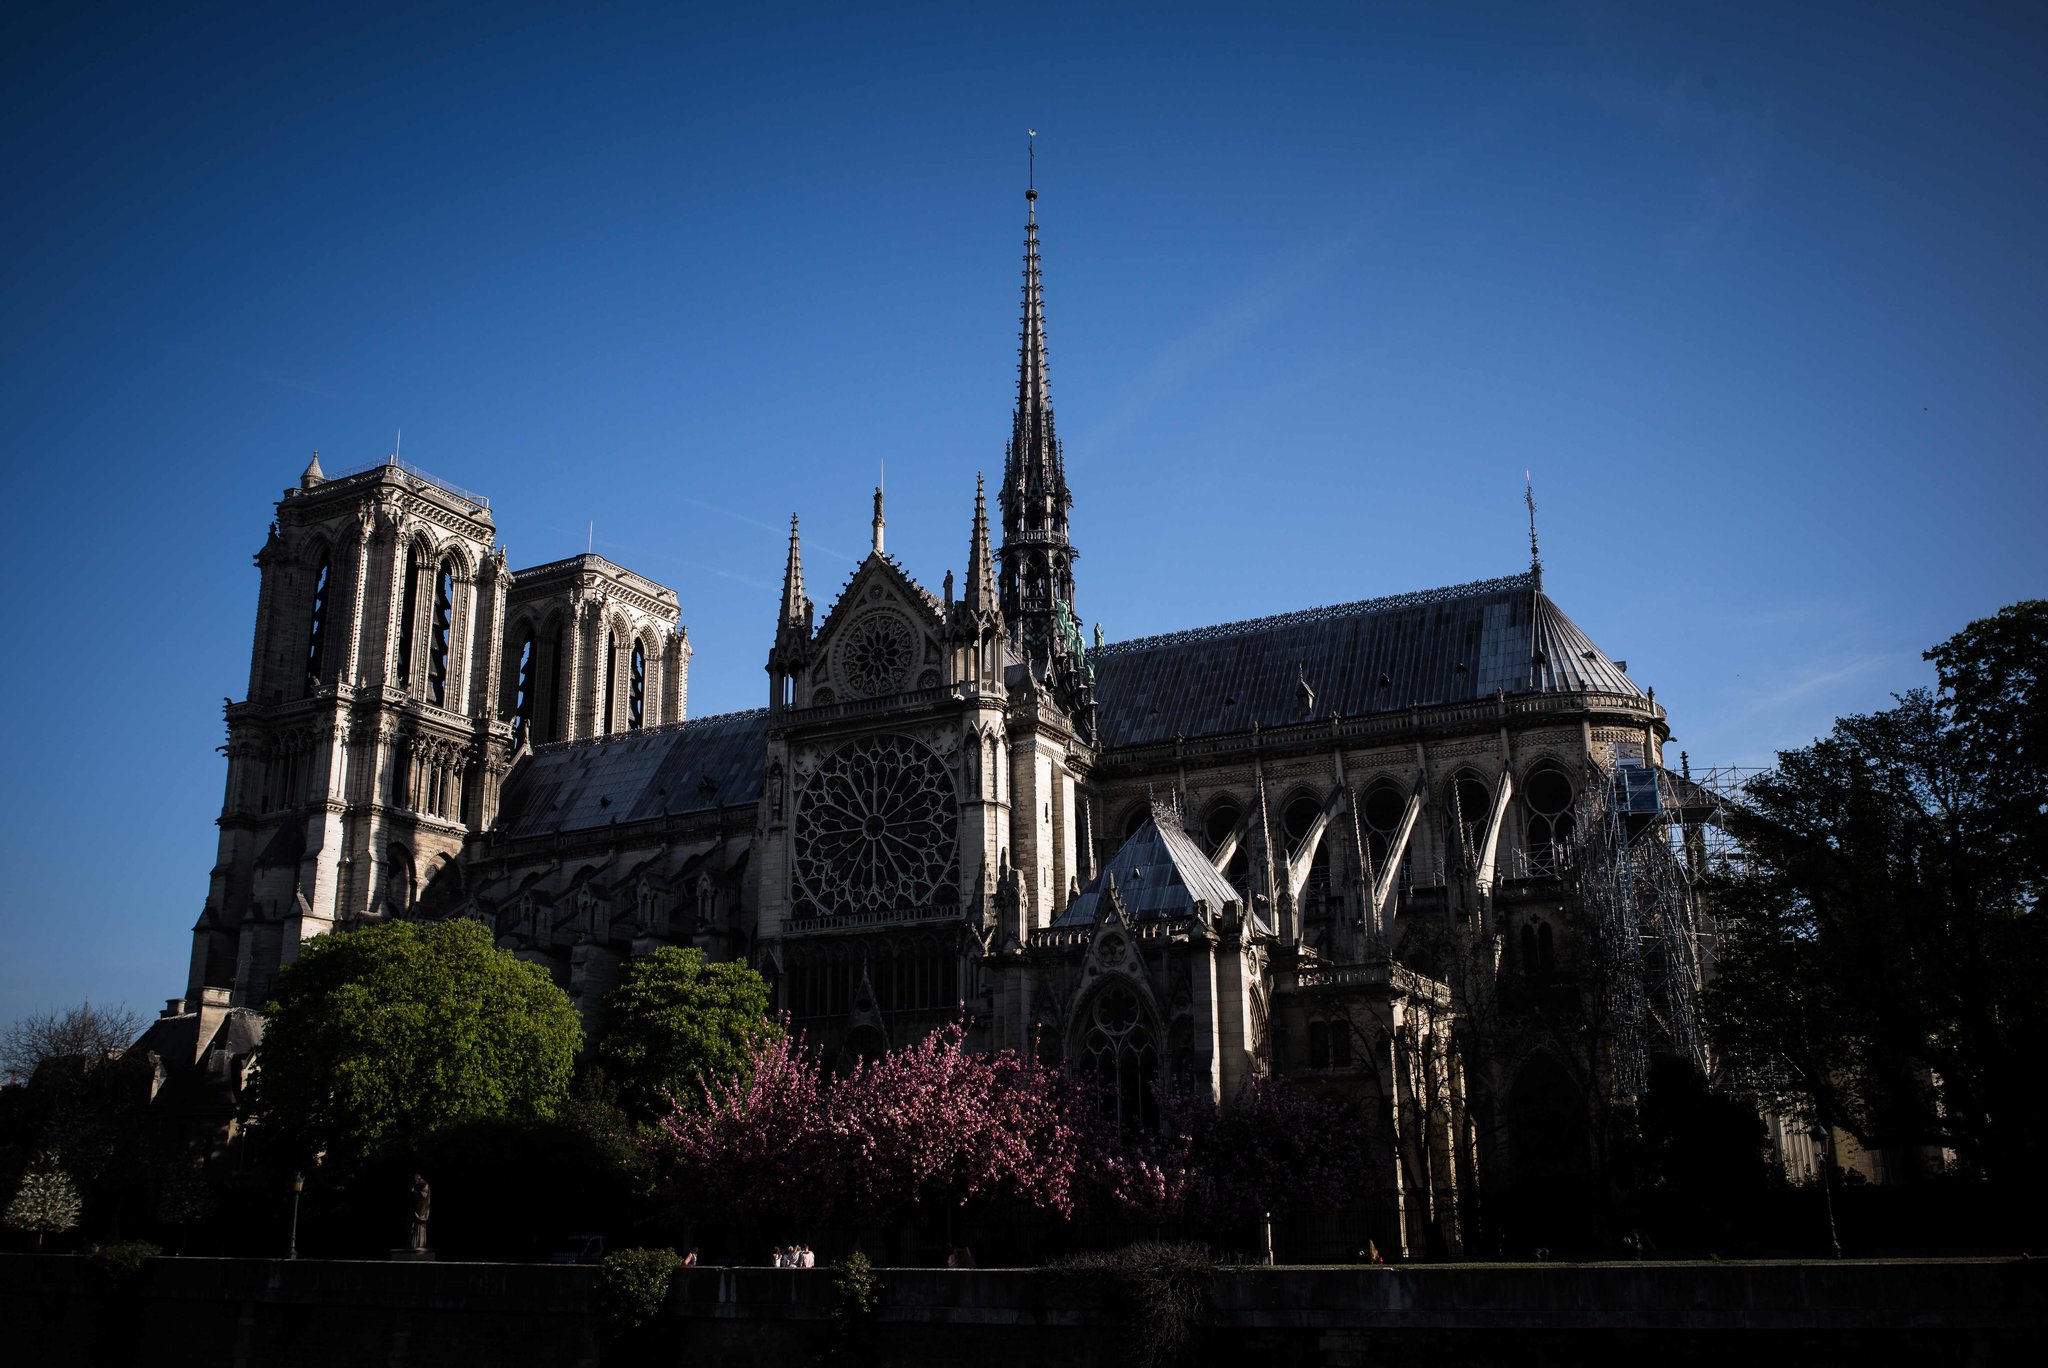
column 377, row 1039
column 1882, row 945
column 84, row 1030
column 676, row 1019
column 933, row 1126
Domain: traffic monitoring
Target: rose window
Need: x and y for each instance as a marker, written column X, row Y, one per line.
column 875, row 830
column 877, row 652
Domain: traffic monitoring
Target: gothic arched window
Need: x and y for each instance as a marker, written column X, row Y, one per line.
column 1297, row 819
column 1119, row 1053
column 557, row 712
column 444, row 626
column 607, row 713
column 316, row 636
column 636, row 687
column 1382, row 810
column 408, row 617
column 525, row 670
column 1223, row 818
column 1470, row 806
column 1551, row 824
column 399, row 884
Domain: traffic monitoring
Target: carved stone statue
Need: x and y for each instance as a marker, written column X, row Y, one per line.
column 422, row 1206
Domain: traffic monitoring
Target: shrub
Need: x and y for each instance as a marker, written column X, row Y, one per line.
column 117, row 1265
column 856, row 1288
column 632, row 1286
column 1159, row 1292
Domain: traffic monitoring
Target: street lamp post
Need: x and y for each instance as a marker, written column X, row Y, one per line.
column 298, row 1186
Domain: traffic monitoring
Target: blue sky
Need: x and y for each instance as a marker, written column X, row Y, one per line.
column 1755, row 292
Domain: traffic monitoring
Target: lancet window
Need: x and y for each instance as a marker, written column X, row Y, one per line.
column 399, row 884
column 1297, row 819
column 1552, row 826
column 636, row 687
column 1382, row 811
column 608, row 713
column 526, row 669
column 444, row 625
column 1470, row 806
column 408, row 617
column 558, row 706
column 1225, row 816
column 1119, row 1052
column 316, row 634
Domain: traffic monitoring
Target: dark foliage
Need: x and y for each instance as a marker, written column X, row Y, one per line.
column 1882, row 942
column 1157, row 1294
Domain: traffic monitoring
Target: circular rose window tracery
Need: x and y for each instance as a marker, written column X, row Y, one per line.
column 875, row 830
column 876, row 653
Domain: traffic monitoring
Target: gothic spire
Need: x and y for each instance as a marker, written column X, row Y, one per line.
column 1035, row 465
column 1535, row 557
column 981, row 573
column 1037, row 576
column 796, row 608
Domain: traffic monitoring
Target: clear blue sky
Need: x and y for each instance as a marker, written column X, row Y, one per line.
column 1756, row 292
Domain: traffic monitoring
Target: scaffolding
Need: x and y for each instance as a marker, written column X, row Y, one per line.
column 1648, row 840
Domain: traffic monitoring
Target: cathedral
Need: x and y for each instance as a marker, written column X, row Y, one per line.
column 1275, row 847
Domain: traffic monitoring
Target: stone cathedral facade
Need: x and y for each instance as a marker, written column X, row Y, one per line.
column 1191, row 859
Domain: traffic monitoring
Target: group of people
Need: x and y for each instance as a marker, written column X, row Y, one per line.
column 794, row 1256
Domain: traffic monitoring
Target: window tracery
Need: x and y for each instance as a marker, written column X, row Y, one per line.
column 1470, row 805
column 876, row 653
column 1552, row 826
column 1119, row 1052
column 875, row 829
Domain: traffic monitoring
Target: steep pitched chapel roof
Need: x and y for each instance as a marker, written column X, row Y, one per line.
column 706, row 763
column 1158, row 872
column 1450, row 645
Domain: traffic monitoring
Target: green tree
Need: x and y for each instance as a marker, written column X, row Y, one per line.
column 1882, row 944
column 677, row 1020
column 379, row 1038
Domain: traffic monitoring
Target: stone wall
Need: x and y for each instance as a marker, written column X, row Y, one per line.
column 226, row 1313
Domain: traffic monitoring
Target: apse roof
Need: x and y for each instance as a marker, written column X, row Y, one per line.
column 1158, row 872
column 706, row 763
column 1456, row 644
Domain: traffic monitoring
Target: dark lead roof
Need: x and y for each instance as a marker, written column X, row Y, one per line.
column 632, row 776
column 1449, row 645
column 1158, row 872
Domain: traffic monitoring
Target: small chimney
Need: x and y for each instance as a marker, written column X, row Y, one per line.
column 174, row 1007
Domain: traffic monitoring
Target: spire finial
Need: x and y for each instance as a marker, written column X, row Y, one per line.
column 880, row 522
column 1535, row 557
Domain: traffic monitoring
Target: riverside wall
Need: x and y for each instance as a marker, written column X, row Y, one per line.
column 233, row 1313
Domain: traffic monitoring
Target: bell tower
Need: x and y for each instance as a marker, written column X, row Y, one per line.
column 368, row 745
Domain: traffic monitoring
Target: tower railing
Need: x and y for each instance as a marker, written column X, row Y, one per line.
column 478, row 501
